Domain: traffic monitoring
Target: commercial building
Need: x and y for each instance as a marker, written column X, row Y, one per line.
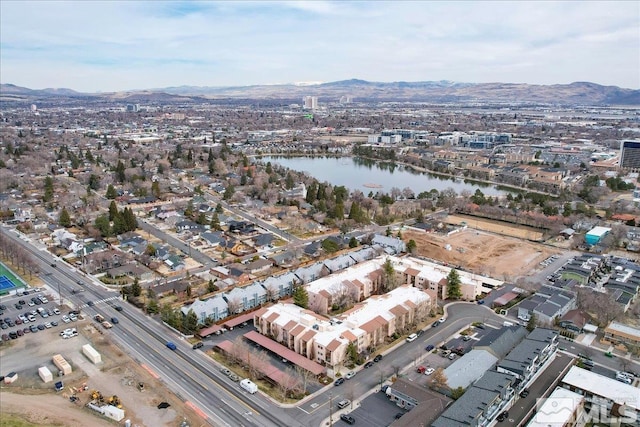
column 310, row 102
column 630, row 154
column 562, row 408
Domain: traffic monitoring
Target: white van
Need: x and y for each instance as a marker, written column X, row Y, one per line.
column 249, row 385
column 412, row 337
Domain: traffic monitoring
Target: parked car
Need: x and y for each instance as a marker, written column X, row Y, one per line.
column 339, row 381
column 197, row 345
column 503, row 416
column 347, row 418
column 524, row 393
column 377, row 358
column 429, row 347
column 350, row 375
column 368, row 364
column 343, row 403
column 429, row 371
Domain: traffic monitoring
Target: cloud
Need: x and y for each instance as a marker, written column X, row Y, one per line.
column 150, row 44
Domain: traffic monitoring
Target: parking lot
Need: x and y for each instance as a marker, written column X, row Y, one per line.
column 30, row 312
column 375, row 411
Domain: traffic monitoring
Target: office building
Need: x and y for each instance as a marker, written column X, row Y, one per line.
column 630, row 154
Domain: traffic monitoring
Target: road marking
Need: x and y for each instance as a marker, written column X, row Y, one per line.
column 148, row 369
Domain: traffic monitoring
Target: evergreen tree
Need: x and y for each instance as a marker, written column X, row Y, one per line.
column 531, row 324
column 136, row 289
column 215, row 221
column 190, row 324
column 300, row 296
column 353, row 242
column 155, row 189
column 411, row 246
column 202, row 219
column 130, row 219
column 228, row 192
column 120, row 175
column 113, row 210
column 111, row 192
column 453, row 285
column 102, row 224
column 312, row 192
column 94, row 182
column 219, row 208
column 48, row 189
column 119, row 224
column 64, row 220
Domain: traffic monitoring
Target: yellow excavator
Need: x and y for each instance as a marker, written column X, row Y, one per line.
column 115, row 401
column 97, row 396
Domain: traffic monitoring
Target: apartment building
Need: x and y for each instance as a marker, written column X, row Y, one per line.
column 366, row 325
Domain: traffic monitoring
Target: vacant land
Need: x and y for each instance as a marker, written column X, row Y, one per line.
column 519, row 231
column 32, row 400
column 501, row 257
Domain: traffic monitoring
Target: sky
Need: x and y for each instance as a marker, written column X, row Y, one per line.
column 94, row 46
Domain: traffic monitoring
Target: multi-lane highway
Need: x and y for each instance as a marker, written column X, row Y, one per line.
column 190, row 374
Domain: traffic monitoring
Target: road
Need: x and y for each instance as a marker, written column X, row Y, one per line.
column 403, row 356
column 191, row 375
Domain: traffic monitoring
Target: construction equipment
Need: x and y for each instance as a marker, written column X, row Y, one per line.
column 97, row 396
column 115, row 401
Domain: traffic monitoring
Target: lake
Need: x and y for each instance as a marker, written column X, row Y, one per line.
column 361, row 174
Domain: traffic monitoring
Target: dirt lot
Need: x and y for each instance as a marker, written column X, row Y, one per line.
column 521, row 232
column 500, row 257
column 31, row 399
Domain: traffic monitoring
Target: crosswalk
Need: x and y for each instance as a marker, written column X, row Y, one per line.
column 99, row 301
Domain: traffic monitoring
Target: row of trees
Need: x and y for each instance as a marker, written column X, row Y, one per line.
column 17, row 255
column 116, row 221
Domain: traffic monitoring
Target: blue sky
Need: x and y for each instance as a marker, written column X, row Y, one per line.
column 97, row 46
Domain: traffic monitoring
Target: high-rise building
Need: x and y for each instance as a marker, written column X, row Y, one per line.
column 310, row 102
column 630, row 154
column 133, row 108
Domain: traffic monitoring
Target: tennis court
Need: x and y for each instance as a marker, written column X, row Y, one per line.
column 8, row 280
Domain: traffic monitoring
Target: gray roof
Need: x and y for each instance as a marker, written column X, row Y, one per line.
column 465, row 411
column 494, row 381
column 501, row 341
column 543, row 335
column 469, row 368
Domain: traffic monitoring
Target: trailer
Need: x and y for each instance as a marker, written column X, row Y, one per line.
column 45, row 374
column 62, row 364
column 91, row 354
column 249, row 385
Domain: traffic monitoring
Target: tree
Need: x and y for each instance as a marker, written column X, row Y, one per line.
column 120, row 175
column 111, row 192
column 411, row 246
column 190, row 324
column 215, row 222
column 453, row 285
column 353, row 242
column 457, row 393
column 389, row 278
column 152, row 306
column 330, row 246
column 136, row 289
column 94, row 182
column 439, row 379
column 531, row 324
column 48, row 189
column 64, row 220
column 228, row 192
column 155, row 189
column 300, row 296
column 211, row 287
column 113, row 210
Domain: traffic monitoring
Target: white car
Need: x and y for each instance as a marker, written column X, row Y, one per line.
column 56, row 311
column 429, row 371
column 350, row 375
column 442, row 320
column 66, row 319
column 47, row 325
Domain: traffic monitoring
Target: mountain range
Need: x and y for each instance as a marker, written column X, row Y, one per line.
column 578, row 93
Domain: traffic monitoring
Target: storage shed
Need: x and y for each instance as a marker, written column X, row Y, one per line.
column 45, row 374
column 62, row 364
column 91, row 354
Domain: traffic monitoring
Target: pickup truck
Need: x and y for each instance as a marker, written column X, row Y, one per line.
column 107, row 325
column 98, row 318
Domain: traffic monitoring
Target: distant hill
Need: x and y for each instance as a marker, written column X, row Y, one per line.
column 582, row 93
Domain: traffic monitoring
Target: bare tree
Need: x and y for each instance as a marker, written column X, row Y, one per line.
column 439, row 380
column 305, row 375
